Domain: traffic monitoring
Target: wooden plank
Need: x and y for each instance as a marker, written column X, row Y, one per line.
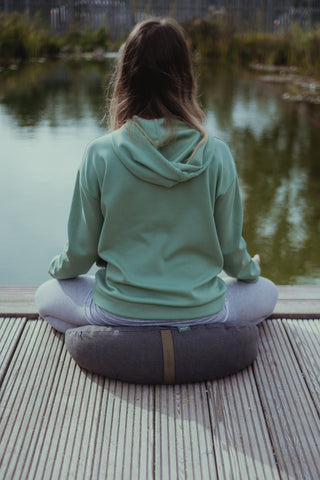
column 311, row 292
column 290, row 413
column 298, row 301
column 59, row 421
column 242, row 444
column 16, row 301
column 304, row 336
column 141, row 461
column 126, row 444
column 183, row 441
column 10, row 332
column 24, row 398
column 296, row 308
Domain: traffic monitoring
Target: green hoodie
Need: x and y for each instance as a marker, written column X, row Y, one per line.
column 161, row 218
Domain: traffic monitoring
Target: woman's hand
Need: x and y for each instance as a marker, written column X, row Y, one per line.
column 257, row 258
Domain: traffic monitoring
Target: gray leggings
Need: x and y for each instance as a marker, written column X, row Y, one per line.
column 64, row 303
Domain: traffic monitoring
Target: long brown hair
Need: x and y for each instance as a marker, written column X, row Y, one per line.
column 154, row 77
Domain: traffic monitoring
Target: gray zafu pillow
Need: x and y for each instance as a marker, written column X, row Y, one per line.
column 155, row 355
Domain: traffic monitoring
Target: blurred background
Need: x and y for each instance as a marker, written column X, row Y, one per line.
column 258, row 70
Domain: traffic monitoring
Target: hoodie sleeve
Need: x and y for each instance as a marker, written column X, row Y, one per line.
column 84, row 226
column 228, row 219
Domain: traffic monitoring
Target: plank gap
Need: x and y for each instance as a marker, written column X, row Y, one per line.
column 210, row 415
column 15, row 342
column 264, row 415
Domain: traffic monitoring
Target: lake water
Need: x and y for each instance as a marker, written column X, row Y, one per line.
column 50, row 111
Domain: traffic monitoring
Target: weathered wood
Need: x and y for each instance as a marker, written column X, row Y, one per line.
column 292, row 292
column 290, row 413
column 16, row 301
column 296, row 301
column 299, row 301
column 24, row 399
column 304, row 336
column 58, row 421
column 10, row 332
column 243, row 448
column 183, row 440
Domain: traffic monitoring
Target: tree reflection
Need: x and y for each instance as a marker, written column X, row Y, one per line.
column 54, row 92
column 276, row 151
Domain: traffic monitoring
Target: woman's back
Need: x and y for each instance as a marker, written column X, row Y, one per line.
column 160, row 232
column 156, row 204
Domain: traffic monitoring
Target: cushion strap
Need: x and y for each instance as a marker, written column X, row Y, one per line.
column 168, row 356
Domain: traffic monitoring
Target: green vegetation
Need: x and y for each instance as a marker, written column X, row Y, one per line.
column 211, row 39
column 85, row 39
column 291, row 47
column 22, row 39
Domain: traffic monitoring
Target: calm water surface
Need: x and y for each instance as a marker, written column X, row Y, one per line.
column 49, row 112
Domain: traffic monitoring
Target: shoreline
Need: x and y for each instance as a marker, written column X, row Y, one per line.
column 299, row 87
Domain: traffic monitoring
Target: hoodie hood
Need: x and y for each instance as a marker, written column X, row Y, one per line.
column 159, row 154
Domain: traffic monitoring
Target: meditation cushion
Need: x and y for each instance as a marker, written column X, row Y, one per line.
column 155, row 355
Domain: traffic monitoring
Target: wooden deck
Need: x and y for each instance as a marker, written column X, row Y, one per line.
column 60, row 422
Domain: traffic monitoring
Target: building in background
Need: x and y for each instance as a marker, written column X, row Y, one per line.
column 121, row 15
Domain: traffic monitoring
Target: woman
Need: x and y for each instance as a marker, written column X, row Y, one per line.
column 157, row 206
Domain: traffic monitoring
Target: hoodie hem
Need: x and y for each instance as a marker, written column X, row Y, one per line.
column 147, row 311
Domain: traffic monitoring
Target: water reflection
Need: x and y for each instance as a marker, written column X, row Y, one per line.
column 276, row 149
column 54, row 92
column 48, row 112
